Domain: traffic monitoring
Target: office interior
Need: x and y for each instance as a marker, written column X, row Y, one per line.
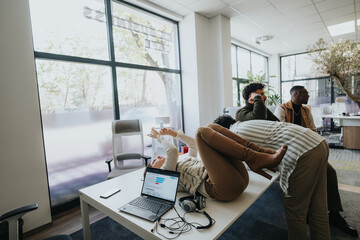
column 206, row 40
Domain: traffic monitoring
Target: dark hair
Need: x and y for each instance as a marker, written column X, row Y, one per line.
column 252, row 87
column 296, row 88
column 225, row 120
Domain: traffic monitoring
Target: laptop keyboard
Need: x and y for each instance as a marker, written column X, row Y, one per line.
column 147, row 204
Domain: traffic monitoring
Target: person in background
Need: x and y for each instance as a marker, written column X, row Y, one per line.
column 220, row 172
column 295, row 111
column 302, row 171
column 255, row 107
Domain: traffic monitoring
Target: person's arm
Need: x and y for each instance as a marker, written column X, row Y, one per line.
column 171, row 153
column 259, row 111
column 280, row 113
column 170, row 150
column 189, row 141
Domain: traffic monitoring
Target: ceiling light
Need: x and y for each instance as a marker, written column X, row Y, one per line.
column 263, row 38
column 341, row 28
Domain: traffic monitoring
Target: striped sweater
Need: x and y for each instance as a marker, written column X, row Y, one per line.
column 273, row 135
column 191, row 168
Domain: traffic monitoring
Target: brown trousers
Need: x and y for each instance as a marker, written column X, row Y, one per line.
column 307, row 194
column 227, row 176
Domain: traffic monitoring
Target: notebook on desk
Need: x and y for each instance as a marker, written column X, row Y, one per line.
column 158, row 194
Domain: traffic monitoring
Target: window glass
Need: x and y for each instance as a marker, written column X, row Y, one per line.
column 74, row 28
column 298, row 66
column 140, row 38
column 76, row 108
column 76, row 94
column 243, row 62
column 149, row 94
column 258, row 64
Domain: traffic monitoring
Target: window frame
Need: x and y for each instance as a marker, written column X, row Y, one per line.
column 112, row 63
column 246, row 80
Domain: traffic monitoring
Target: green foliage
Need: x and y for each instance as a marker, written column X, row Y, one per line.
column 273, row 97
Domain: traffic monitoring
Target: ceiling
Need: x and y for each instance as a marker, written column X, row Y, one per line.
column 294, row 24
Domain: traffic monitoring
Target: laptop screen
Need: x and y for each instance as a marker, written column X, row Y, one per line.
column 161, row 184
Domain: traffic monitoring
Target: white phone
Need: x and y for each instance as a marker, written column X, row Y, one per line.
column 109, row 193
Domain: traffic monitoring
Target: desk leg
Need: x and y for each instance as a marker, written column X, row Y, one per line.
column 85, row 218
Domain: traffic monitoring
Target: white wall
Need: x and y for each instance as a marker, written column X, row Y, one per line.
column 206, row 69
column 23, row 177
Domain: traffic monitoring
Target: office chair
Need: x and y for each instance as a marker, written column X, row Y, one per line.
column 11, row 224
column 127, row 137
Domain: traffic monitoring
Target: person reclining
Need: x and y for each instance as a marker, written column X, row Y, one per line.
column 220, row 173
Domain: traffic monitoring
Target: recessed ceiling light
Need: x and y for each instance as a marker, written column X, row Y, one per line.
column 342, row 28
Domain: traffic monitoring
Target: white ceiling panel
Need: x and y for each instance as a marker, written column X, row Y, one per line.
column 173, row 6
column 307, row 20
column 231, row 2
column 301, row 13
column 250, row 5
column 332, row 4
column 228, row 12
column 262, row 13
column 335, row 13
column 289, row 5
column 187, row 3
column 341, row 19
column 294, row 23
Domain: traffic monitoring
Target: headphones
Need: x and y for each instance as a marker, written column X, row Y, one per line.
column 192, row 203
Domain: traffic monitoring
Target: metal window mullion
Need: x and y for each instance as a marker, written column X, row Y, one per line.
column 112, row 57
column 281, row 81
column 53, row 56
column 143, row 67
column 181, row 85
column 250, row 61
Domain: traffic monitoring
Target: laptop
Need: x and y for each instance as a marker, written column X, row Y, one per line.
column 158, row 195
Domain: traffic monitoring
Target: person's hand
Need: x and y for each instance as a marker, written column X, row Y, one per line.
column 157, row 162
column 154, row 134
column 251, row 98
column 168, row 131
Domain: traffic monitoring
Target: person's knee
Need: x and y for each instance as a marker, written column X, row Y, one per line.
column 204, row 132
column 214, row 126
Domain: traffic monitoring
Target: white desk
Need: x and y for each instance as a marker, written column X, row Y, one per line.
column 346, row 121
column 350, row 130
column 224, row 213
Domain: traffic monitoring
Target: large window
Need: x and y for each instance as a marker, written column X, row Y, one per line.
column 298, row 69
column 243, row 61
column 97, row 61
